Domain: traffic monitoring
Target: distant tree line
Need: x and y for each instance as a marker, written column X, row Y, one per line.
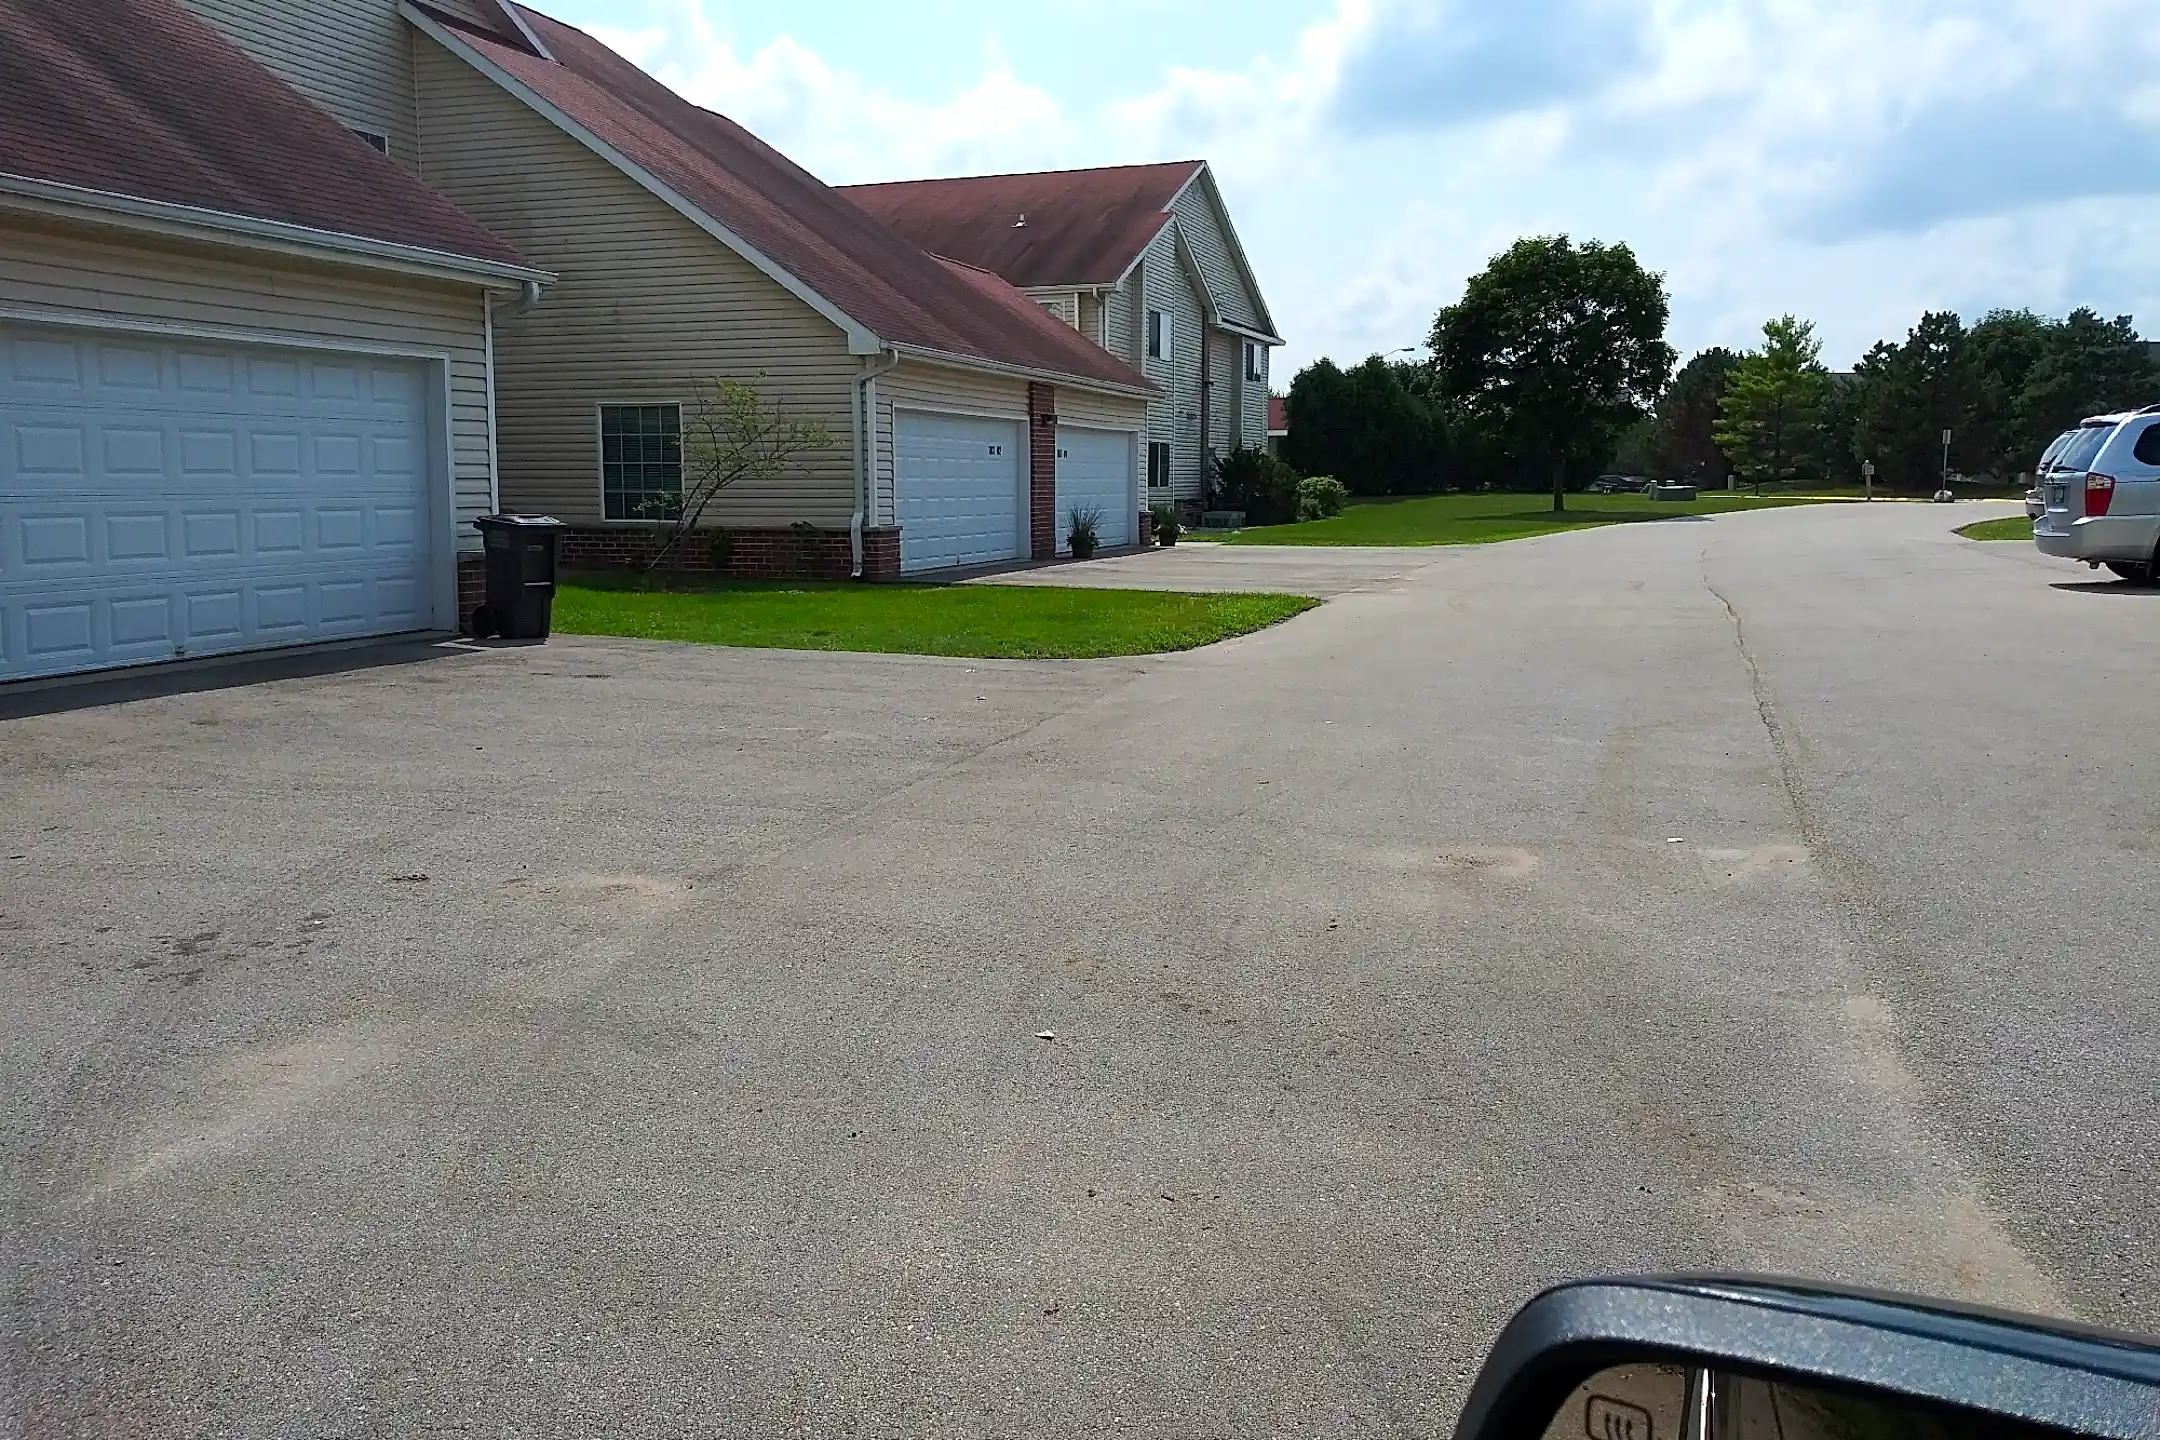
column 1512, row 365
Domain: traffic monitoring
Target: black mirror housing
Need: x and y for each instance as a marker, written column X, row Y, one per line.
column 1961, row 1362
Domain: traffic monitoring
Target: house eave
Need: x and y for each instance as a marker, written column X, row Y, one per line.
column 1024, row 372
column 26, row 194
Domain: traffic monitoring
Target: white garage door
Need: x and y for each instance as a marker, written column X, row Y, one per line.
column 958, row 489
column 1094, row 472
column 168, row 499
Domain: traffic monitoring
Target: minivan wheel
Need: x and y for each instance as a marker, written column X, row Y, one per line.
column 2132, row 571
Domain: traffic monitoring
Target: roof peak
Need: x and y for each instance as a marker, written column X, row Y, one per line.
column 1188, row 166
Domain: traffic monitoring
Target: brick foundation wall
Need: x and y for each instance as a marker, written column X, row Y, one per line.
column 750, row 554
column 1042, row 470
column 471, row 589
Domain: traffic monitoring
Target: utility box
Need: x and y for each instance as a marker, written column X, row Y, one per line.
column 521, row 551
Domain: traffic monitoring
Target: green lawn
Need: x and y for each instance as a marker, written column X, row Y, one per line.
column 1020, row 622
column 1476, row 519
column 2016, row 527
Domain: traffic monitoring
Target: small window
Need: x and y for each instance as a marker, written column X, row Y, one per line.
column 2148, row 446
column 379, row 143
column 1158, row 334
column 1158, row 465
column 641, row 461
column 1255, row 361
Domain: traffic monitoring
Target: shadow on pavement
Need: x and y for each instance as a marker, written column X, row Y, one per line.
column 2108, row 587
column 28, row 698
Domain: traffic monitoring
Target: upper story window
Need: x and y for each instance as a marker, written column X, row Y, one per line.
column 640, row 461
column 1158, row 334
column 1255, row 361
column 1158, row 465
column 380, row 143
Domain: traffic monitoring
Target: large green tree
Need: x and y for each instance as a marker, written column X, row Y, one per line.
column 1687, row 416
column 1555, row 348
column 1366, row 426
column 1770, row 416
column 2089, row 366
column 1906, row 396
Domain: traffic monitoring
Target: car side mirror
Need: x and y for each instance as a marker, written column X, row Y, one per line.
column 1719, row 1359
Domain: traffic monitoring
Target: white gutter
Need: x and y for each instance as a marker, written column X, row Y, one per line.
column 866, row 433
column 25, row 194
column 1026, row 372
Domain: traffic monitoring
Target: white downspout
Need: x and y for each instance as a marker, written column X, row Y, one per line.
column 865, row 417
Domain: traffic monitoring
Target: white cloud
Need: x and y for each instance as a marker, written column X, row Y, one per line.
column 1849, row 160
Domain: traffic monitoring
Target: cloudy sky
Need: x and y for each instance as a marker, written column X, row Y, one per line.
column 1852, row 161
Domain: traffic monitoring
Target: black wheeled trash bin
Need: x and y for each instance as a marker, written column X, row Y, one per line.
column 520, row 576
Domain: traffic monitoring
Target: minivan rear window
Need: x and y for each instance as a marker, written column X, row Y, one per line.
column 2148, row 446
column 2078, row 454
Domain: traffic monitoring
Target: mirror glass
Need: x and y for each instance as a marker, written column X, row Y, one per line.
column 1671, row 1402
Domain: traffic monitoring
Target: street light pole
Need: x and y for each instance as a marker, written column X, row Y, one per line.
column 1946, row 461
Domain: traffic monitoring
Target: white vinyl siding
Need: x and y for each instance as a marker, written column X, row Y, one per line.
column 1226, row 381
column 1202, row 227
column 645, row 303
column 1120, row 331
column 1253, row 398
column 81, row 273
column 1174, row 415
column 1064, row 305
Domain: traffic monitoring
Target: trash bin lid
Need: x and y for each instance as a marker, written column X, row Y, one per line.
column 508, row 520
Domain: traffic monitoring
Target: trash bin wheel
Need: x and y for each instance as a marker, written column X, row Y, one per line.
column 483, row 622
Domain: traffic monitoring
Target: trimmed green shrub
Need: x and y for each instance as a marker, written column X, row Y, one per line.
column 1319, row 496
column 1258, row 484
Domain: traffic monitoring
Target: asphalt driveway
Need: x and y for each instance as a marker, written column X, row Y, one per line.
column 610, row 1036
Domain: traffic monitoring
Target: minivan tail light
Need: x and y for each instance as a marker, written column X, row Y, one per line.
column 2099, row 493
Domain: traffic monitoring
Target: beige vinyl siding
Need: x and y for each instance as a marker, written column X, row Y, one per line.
column 351, row 57
column 84, row 272
column 645, row 303
column 1204, row 237
column 919, row 385
column 1100, row 410
column 1174, row 416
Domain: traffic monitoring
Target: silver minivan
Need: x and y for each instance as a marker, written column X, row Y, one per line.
column 2099, row 488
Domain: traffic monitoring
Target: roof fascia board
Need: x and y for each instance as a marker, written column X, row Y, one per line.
column 1141, row 253
column 27, row 194
column 1198, row 276
column 510, row 13
column 1025, row 372
column 1237, row 247
column 861, row 340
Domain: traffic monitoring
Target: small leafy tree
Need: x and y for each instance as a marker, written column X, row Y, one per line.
column 1555, row 348
column 1770, row 418
column 731, row 433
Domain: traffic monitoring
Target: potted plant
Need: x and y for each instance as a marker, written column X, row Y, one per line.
column 1166, row 526
column 1085, row 526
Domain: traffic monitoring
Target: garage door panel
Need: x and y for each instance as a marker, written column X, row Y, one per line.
column 160, row 500
column 1095, row 471
column 957, row 490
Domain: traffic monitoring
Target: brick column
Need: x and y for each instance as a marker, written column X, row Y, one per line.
column 1042, row 470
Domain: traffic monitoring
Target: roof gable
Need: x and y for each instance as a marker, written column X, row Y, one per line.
column 862, row 276
column 1046, row 228
column 140, row 98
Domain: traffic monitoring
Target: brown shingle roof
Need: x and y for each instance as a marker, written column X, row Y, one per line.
column 141, row 98
column 1084, row 227
column 803, row 225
